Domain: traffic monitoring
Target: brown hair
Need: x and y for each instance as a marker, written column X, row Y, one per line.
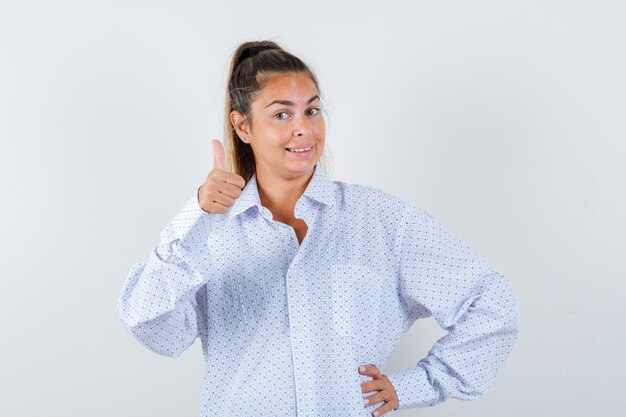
column 246, row 77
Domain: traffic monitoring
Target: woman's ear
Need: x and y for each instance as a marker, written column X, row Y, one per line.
column 239, row 123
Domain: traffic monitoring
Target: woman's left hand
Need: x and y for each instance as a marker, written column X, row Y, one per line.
column 384, row 388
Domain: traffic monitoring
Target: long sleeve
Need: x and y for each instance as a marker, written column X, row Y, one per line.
column 442, row 277
column 162, row 302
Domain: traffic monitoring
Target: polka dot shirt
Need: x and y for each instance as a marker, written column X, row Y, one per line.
column 284, row 326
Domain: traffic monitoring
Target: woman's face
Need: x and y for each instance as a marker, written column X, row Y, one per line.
column 286, row 113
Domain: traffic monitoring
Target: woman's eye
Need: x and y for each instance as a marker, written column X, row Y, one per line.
column 277, row 114
column 315, row 111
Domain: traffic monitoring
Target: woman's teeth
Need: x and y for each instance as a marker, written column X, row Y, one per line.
column 299, row 149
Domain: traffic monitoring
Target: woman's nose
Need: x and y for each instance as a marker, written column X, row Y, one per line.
column 301, row 126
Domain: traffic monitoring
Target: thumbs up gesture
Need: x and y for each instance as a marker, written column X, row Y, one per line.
column 221, row 188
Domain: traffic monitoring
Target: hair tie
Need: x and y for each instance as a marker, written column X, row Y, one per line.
column 251, row 51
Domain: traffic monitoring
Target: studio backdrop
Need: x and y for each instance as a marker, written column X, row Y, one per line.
column 505, row 120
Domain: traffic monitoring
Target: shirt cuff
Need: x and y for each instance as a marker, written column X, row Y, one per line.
column 413, row 388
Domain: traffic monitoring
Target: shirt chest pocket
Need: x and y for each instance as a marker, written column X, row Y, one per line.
column 356, row 303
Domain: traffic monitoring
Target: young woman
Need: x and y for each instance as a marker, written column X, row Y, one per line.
column 298, row 286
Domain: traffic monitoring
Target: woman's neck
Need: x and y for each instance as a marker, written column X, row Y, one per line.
column 280, row 194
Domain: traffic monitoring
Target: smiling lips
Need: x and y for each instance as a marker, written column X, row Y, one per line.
column 300, row 150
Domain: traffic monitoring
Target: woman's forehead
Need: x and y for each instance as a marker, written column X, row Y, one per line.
column 294, row 87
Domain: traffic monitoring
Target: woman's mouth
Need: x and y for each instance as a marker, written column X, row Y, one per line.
column 300, row 151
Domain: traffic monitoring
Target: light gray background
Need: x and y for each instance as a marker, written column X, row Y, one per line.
column 503, row 119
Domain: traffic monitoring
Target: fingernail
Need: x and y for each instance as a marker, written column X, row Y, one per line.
column 365, row 401
column 375, row 413
column 362, row 368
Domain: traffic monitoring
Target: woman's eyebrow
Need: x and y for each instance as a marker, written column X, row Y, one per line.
column 290, row 103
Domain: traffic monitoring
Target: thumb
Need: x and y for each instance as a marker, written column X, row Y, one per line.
column 218, row 154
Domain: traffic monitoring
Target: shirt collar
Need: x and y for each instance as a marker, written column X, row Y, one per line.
column 320, row 188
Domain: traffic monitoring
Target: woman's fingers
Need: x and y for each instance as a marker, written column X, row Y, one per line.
column 223, row 199
column 215, row 192
column 227, row 181
column 384, row 390
column 384, row 409
column 221, row 188
column 373, row 385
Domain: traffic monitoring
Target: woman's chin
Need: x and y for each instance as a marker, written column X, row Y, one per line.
column 301, row 167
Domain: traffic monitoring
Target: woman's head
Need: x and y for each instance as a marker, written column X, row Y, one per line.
column 273, row 102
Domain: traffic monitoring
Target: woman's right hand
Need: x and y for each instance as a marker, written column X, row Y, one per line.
column 221, row 188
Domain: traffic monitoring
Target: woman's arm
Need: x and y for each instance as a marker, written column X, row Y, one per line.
column 443, row 277
column 163, row 301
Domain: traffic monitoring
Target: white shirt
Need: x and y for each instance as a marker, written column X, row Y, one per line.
column 285, row 326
